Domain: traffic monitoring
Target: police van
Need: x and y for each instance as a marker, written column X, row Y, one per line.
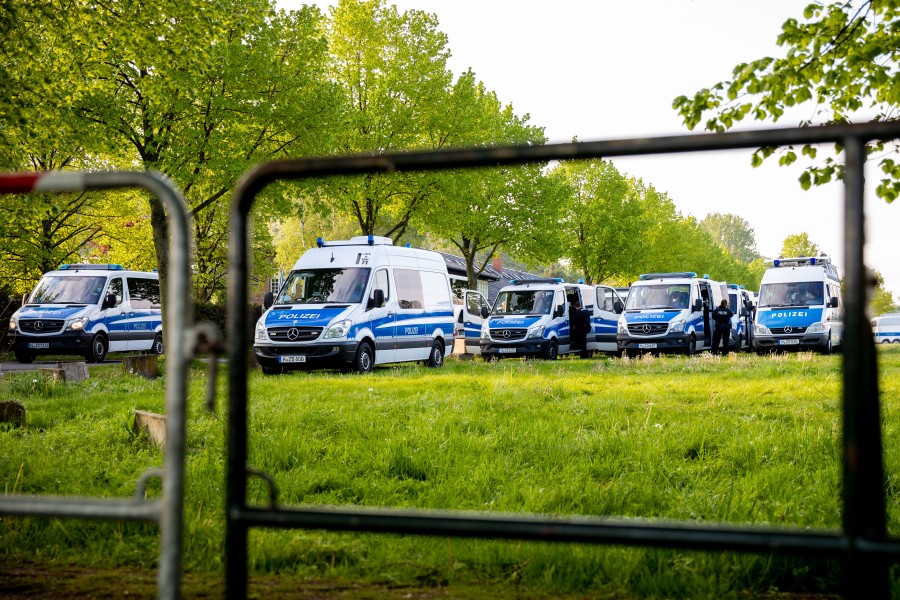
column 89, row 310
column 799, row 306
column 669, row 312
column 353, row 304
column 538, row 318
column 886, row 328
column 741, row 303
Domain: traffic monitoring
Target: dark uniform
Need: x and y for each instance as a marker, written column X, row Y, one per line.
column 722, row 331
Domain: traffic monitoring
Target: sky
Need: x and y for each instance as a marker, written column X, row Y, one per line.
column 599, row 70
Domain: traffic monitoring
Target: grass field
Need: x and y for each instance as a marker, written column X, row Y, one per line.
column 740, row 439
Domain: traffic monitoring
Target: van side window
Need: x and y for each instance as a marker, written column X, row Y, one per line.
column 560, row 302
column 115, row 288
column 435, row 290
column 409, row 288
column 144, row 293
column 381, row 283
column 605, row 299
column 474, row 302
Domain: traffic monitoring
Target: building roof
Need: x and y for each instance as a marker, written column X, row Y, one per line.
column 456, row 265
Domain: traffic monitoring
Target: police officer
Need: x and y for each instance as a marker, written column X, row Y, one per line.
column 722, row 331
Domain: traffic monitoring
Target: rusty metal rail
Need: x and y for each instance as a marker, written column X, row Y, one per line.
column 862, row 545
column 167, row 511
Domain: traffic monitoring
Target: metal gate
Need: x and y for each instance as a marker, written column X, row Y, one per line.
column 862, row 545
column 167, row 511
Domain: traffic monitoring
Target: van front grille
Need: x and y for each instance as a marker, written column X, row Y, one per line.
column 41, row 325
column 294, row 334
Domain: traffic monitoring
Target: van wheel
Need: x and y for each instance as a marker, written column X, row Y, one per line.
column 829, row 349
column 691, row 349
column 364, row 361
column 551, row 352
column 98, row 349
column 157, row 347
column 436, row 358
column 24, row 356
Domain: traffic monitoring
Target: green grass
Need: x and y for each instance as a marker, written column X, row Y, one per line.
column 738, row 440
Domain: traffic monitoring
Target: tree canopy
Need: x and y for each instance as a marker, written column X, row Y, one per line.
column 839, row 65
column 798, row 245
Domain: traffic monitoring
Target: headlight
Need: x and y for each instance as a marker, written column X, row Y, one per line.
column 338, row 330
column 78, row 324
column 623, row 325
column 676, row 326
column 485, row 331
column 260, row 330
column 536, row 332
column 817, row 328
column 13, row 324
column 761, row 330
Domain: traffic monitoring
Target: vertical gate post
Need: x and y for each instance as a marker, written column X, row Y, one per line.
column 864, row 503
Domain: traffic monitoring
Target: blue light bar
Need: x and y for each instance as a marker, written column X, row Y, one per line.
column 777, row 262
column 812, row 261
column 320, row 242
column 408, row 245
column 83, row 267
column 706, row 276
column 679, row 275
column 580, row 280
column 371, row 240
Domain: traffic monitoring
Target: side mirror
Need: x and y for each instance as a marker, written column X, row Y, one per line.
column 268, row 300
column 617, row 307
column 559, row 311
column 109, row 301
column 377, row 300
column 698, row 305
column 743, row 310
column 833, row 303
column 485, row 313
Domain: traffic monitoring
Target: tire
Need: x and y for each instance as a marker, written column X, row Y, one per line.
column 691, row 348
column 24, row 356
column 99, row 347
column 829, row 349
column 632, row 353
column 436, row 357
column 271, row 370
column 157, row 348
column 552, row 352
column 364, row 361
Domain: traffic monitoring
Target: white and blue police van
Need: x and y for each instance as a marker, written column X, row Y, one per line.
column 89, row 310
column 535, row 318
column 357, row 303
column 669, row 312
column 741, row 303
column 886, row 328
column 799, row 306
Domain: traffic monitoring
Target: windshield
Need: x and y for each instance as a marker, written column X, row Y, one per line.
column 524, row 302
column 646, row 297
column 321, row 286
column 793, row 293
column 68, row 290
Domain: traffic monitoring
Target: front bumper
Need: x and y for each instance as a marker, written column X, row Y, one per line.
column 805, row 341
column 671, row 342
column 66, row 342
column 333, row 355
column 533, row 347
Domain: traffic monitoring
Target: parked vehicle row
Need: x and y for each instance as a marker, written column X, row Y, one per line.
column 357, row 303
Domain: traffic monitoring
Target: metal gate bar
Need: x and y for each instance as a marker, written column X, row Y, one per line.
column 167, row 511
column 862, row 545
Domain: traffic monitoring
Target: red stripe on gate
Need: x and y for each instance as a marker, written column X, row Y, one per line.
column 18, row 183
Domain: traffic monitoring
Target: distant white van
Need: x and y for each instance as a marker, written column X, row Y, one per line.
column 90, row 310
column 799, row 306
column 886, row 328
column 357, row 303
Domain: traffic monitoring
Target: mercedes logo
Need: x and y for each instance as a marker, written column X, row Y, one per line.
column 788, row 329
column 293, row 333
column 506, row 333
column 646, row 328
column 38, row 325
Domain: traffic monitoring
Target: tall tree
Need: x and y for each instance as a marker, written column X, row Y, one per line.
column 392, row 68
column 603, row 220
column 840, row 61
column 797, row 245
column 732, row 233
column 484, row 210
column 199, row 91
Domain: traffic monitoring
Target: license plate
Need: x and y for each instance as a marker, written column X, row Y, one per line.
column 292, row 359
column 647, row 345
column 506, row 350
column 39, row 345
column 788, row 342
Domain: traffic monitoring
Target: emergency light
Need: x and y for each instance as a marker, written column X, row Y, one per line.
column 83, row 267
